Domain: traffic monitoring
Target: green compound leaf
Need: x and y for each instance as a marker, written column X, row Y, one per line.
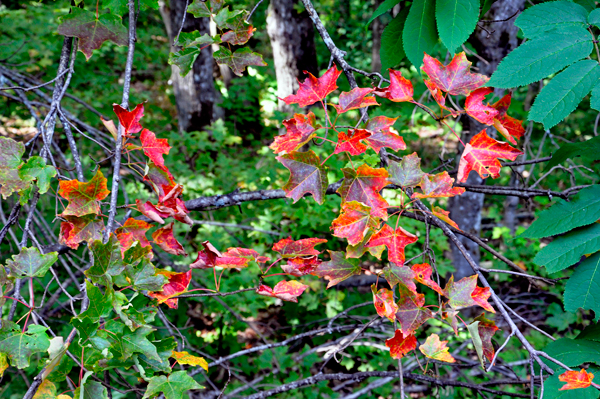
column 36, row 168
column 92, row 31
column 551, row 15
column 420, row 34
column 563, row 216
column 456, row 20
column 552, row 387
column 588, row 151
column 392, row 51
column 239, row 60
column 382, row 9
column 540, row 57
column 573, row 352
column 566, row 250
column 31, row 263
column 595, row 100
column 564, row 93
column 19, row 346
column 173, row 386
column 583, row 288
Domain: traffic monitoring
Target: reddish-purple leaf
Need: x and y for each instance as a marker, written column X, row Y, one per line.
column 456, row 77
column 299, row 266
column 438, row 186
column 382, row 134
column 363, row 185
column 475, row 108
column 307, row 175
column 284, row 290
column 338, row 268
column 165, row 239
column 487, row 329
column 406, row 173
column 300, row 130
column 403, row 275
column 207, row 258
column 411, row 311
column 313, row 89
column 355, row 99
column 151, row 212
column 289, row 248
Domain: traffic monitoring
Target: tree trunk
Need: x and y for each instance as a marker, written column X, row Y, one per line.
column 292, row 40
column 195, row 94
column 377, row 30
column 492, row 45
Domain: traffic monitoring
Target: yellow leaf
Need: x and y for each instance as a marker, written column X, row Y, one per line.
column 3, row 363
column 186, row 358
column 47, row 390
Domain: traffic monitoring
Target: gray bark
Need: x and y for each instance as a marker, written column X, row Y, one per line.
column 376, row 30
column 292, row 40
column 492, row 45
column 195, row 94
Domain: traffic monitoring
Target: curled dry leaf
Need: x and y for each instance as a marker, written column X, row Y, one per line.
column 401, row 344
column 383, row 299
column 285, row 290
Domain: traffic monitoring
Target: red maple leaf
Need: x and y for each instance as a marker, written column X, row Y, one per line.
column 289, row 248
column 236, row 257
column 83, row 197
column 506, row 125
column 456, row 77
column 161, row 180
column 439, row 97
column 313, row 89
column 133, row 230
column 354, row 222
column 444, row 215
column 394, row 240
column 79, row 229
column 403, row 275
column 475, row 108
column 438, row 186
column 176, row 285
column 151, row 212
column 130, row 120
column 411, row 311
column 575, row 379
column 300, row 130
column 486, row 329
column 307, row 175
column 399, row 90
column 423, row 274
column 300, row 266
column 154, row 148
column 207, row 258
column 355, row 99
column 383, row 299
column 433, row 348
column 481, row 155
column 465, row 293
column 174, row 206
column 338, row 268
column 350, row 142
column 165, row 239
column 382, row 135
column 401, row 344
column 284, row 290
column 408, row 172
column 480, row 296
column 363, row 185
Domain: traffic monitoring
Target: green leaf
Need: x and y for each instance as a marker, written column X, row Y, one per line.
column 382, row 9
column 205, row 8
column 31, row 263
column 551, row 15
column 164, row 348
column 567, row 249
column 173, row 386
column 573, row 352
column 142, row 276
column 485, row 6
column 100, row 305
column 36, row 168
column 589, row 151
column 420, row 34
column 595, row 100
column 540, row 57
column 90, row 389
column 589, row 5
column 559, row 319
column 239, row 60
column 120, row 7
column 591, row 333
column 476, row 338
column 193, row 45
column 552, row 387
column 19, row 346
column 594, row 17
column 456, row 20
column 391, row 51
column 92, row 31
column 11, row 152
column 564, row 93
column 563, row 216
column 107, row 261
column 583, row 288
column 137, row 342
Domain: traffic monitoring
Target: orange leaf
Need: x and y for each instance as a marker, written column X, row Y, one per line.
column 133, row 230
column 423, row 274
column 444, row 215
column 399, row 90
column 350, row 142
column 165, row 239
column 313, row 89
column 383, row 299
column 433, row 348
column 355, row 99
column 300, row 130
column 576, row 379
column 176, row 285
column 354, row 222
column 285, row 290
column 363, row 185
column 186, row 358
column 454, row 78
column 507, row 126
column 476, row 109
column 78, row 229
column 400, row 345
column 83, row 197
column 481, row 155
column 394, row 240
